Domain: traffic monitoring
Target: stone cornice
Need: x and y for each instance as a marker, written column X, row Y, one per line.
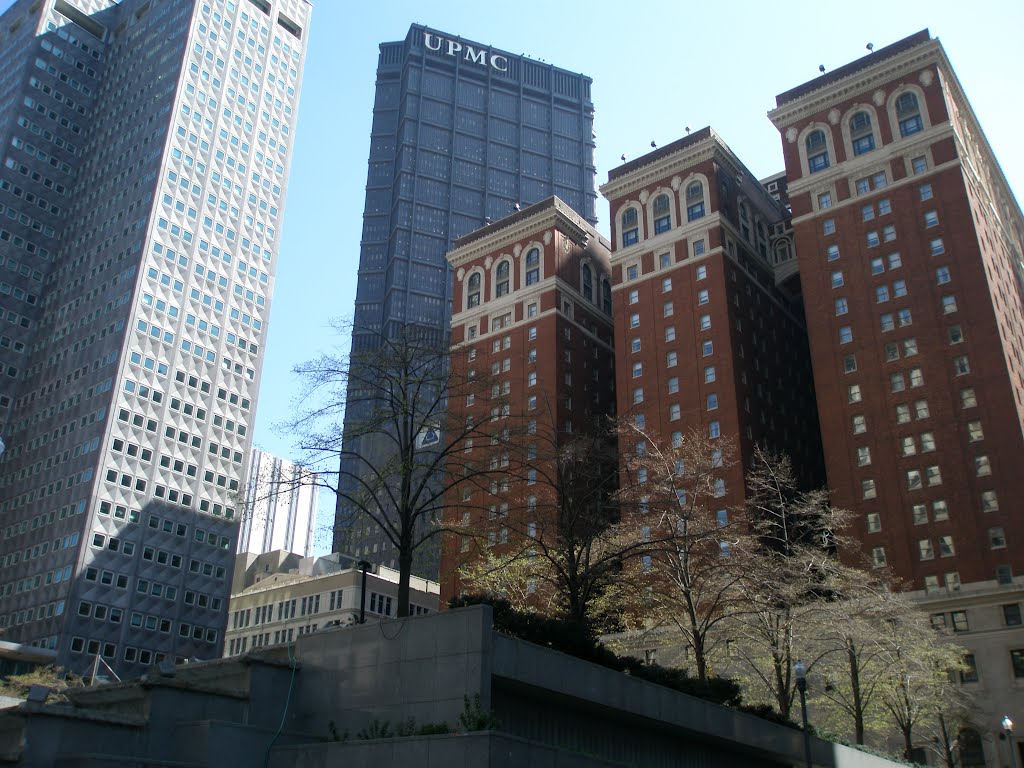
column 504, row 233
column 857, row 83
column 661, row 168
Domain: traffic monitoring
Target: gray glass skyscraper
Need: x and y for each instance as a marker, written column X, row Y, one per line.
column 145, row 150
column 462, row 135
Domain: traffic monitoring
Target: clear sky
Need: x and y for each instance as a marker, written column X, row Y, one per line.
column 658, row 66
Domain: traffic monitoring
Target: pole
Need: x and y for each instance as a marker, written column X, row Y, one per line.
column 800, row 670
column 1010, row 743
column 802, row 686
column 362, row 595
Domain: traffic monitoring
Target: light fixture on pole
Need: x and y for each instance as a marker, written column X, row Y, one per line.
column 800, row 670
column 1007, row 724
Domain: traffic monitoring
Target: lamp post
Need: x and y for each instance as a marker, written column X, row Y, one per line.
column 800, row 670
column 1007, row 724
column 364, row 566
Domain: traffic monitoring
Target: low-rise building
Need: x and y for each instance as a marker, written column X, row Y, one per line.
column 278, row 596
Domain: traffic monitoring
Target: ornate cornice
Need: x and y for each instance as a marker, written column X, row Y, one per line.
column 873, row 76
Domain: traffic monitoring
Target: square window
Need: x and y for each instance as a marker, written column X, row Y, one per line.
column 919, row 165
column 705, row 322
column 634, row 345
column 849, row 363
column 703, row 297
column 872, row 239
column 853, row 393
column 924, row 192
column 889, row 233
column 837, row 279
column 874, row 522
column 666, row 285
column 832, row 253
column 634, row 320
column 825, row 200
column 859, row 423
column 828, row 226
column 925, row 550
column 664, row 260
column 931, row 219
column 670, row 333
column 709, row 374
column 895, row 261
column 698, row 247
column 867, row 489
column 919, row 512
column 937, row 246
column 921, row 410
column 997, row 538
column 884, row 206
column 671, row 359
column 714, row 429
column 634, row 296
column 702, row 271
column 982, row 467
column 1012, row 614
column 632, row 272
column 909, row 347
column 867, row 212
column 707, row 348
column 667, row 309
column 878, row 557
column 842, row 306
column 845, row 334
column 974, row 431
column 877, row 266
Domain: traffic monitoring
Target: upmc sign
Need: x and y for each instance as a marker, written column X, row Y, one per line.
column 468, row 52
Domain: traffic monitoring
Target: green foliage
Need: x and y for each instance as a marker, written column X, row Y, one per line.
column 475, row 718
column 332, row 728
column 376, row 730
column 54, row 678
column 574, row 639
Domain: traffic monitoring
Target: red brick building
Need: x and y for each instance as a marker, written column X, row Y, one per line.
column 532, row 310
column 705, row 338
column 909, row 243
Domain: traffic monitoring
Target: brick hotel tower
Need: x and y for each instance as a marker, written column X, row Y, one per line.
column 709, row 331
column 533, row 311
column 463, row 134
column 145, row 161
column 909, row 242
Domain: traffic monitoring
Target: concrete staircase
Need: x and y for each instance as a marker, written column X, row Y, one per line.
column 199, row 716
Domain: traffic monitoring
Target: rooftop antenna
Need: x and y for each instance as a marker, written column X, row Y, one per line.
column 821, row 68
column 653, row 145
column 623, row 158
column 870, row 47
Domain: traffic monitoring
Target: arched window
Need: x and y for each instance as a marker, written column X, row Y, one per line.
column 817, row 151
column 694, row 201
column 662, row 215
column 861, row 135
column 606, row 296
column 908, row 113
column 473, row 290
column 630, row 227
column 587, row 280
column 501, row 289
column 533, row 266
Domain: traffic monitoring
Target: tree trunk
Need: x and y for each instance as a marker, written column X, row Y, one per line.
column 404, row 572
column 858, row 703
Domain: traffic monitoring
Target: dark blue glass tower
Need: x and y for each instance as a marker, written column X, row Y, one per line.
column 463, row 133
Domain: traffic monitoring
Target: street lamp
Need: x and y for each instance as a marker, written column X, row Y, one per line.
column 1007, row 724
column 800, row 670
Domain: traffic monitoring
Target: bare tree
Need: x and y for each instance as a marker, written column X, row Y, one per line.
column 399, row 453
column 790, row 581
column 693, row 580
column 562, row 545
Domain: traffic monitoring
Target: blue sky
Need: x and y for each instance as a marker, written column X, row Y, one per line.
column 658, row 66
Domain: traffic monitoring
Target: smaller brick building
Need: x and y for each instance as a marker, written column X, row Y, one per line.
column 532, row 309
column 711, row 338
